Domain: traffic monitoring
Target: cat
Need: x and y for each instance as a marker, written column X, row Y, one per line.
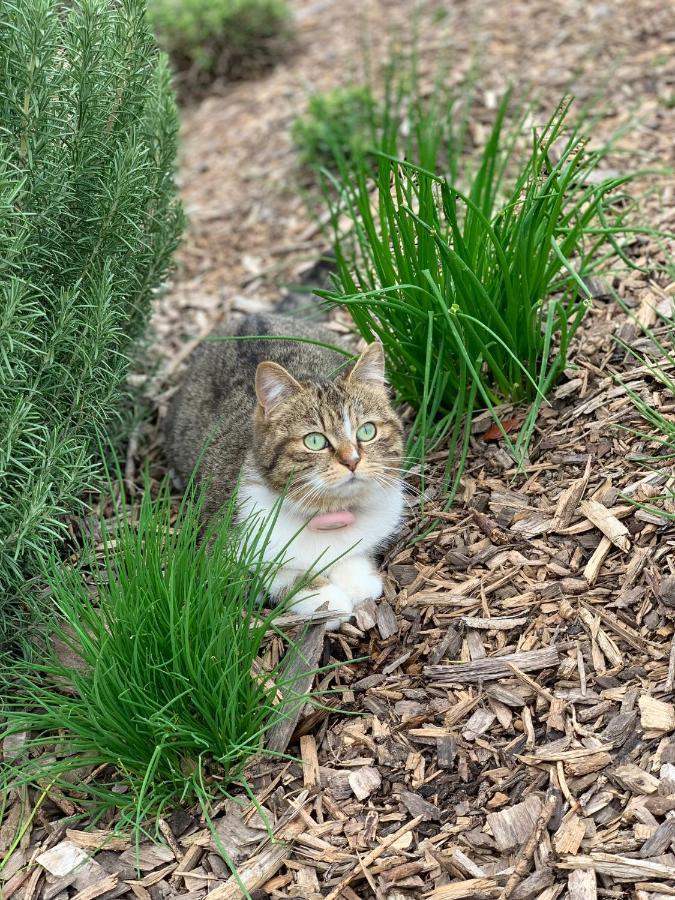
column 296, row 422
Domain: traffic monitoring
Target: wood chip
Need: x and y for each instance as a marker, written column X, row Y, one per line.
column 253, row 873
column 620, row 868
column 364, row 781
column 569, row 500
column 147, row 857
column 614, row 530
column 512, row 827
column 97, row 840
column 498, row 623
column 492, row 668
column 387, row 623
column 10, row 826
column 596, row 562
column 310, row 763
column 594, row 762
column 472, row 887
column 97, row 888
column 660, row 840
column 656, row 715
column 570, row 834
column 419, row 807
column 155, row 877
column 635, row 779
column 534, row 885
column 67, row 859
column 299, row 675
column 582, row 885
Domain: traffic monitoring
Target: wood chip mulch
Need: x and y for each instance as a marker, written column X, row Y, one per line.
column 512, row 727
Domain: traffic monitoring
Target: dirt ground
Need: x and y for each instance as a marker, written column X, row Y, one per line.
column 542, row 764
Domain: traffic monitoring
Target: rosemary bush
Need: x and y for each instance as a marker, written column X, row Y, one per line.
column 88, row 223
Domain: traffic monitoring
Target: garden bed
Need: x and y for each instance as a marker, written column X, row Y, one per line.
column 549, row 585
column 564, row 690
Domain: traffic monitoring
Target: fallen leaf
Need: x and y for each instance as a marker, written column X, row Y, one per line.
column 494, row 432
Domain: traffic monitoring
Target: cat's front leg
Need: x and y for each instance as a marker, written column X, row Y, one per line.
column 318, row 594
column 357, row 577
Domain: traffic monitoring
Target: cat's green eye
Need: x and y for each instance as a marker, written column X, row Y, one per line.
column 366, row 432
column 316, row 441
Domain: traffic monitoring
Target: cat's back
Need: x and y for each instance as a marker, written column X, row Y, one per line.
column 216, row 400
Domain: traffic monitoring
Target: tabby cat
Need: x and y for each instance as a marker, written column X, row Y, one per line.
column 301, row 422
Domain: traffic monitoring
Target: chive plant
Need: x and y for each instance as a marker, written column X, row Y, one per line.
column 474, row 280
column 167, row 694
column 656, row 359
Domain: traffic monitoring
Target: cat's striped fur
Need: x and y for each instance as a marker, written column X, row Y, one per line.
column 252, row 402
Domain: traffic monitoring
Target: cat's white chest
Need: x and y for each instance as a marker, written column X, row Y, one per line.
column 303, row 548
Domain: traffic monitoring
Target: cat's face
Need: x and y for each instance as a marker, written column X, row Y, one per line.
column 332, row 444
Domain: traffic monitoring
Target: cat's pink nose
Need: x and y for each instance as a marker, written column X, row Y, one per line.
column 349, row 456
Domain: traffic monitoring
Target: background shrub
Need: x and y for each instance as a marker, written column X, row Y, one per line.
column 88, row 222
column 209, row 39
column 339, row 124
column 344, row 128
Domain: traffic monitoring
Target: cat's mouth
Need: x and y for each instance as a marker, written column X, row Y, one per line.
column 349, row 485
column 332, row 496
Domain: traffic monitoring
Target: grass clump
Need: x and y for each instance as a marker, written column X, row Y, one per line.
column 473, row 279
column 88, row 222
column 340, row 125
column 162, row 681
column 653, row 356
column 211, row 39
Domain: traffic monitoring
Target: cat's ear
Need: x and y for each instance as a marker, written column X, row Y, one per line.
column 369, row 367
column 273, row 384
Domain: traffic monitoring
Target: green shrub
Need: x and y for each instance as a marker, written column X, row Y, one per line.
column 344, row 128
column 167, row 690
column 477, row 292
column 340, row 124
column 208, row 39
column 88, row 222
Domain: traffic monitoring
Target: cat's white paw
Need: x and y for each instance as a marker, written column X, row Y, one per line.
column 328, row 596
column 357, row 577
column 371, row 588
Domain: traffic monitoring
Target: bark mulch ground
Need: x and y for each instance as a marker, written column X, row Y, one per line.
column 515, row 734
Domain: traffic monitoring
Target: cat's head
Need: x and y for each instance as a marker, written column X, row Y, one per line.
column 333, row 444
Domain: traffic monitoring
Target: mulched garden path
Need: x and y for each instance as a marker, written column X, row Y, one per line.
column 516, row 683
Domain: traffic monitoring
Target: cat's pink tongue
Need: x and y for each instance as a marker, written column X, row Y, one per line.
column 332, row 520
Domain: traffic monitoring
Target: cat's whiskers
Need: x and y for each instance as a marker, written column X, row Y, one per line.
column 307, row 501
column 385, row 480
column 378, row 465
column 305, row 491
column 406, row 488
column 398, row 474
column 400, row 460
